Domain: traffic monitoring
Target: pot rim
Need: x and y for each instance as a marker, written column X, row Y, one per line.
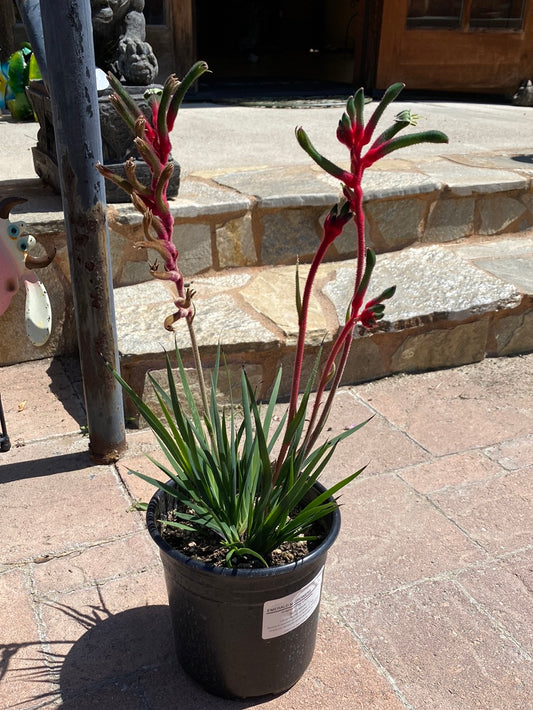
column 191, row 562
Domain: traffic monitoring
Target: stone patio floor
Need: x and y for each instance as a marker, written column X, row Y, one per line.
column 426, row 600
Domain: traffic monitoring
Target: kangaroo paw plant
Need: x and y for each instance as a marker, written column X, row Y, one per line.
column 225, row 473
column 240, row 476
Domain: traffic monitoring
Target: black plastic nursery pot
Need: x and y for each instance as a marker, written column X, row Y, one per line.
column 246, row 632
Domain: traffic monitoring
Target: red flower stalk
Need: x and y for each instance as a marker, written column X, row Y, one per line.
column 153, row 143
column 355, row 135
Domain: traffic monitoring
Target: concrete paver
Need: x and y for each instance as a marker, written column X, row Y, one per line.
column 24, row 675
column 474, row 412
column 513, row 454
column 426, row 595
column 495, row 513
column 79, row 505
column 450, row 470
column 443, row 651
column 391, row 538
column 491, row 583
column 380, row 445
column 31, row 402
column 93, row 564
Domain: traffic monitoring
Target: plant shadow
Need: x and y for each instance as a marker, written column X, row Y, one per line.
column 128, row 660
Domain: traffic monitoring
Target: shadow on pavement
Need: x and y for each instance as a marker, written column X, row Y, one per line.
column 44, row 467
column 129, row 655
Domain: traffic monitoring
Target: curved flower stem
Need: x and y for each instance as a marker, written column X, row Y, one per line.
column 300, row 349
column 343, row 342
column 344, row 339
column 302, row 327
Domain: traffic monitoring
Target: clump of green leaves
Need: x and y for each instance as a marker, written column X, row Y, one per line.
column 220, row 465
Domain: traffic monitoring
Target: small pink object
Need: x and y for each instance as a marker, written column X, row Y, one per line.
column 15, row 263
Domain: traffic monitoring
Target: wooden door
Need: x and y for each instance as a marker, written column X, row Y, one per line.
column 169, row 29
column 481, row 46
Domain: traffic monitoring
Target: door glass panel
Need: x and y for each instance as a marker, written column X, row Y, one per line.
column 434, row 13
column 497, row 14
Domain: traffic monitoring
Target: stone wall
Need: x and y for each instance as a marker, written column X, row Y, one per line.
column 270, row 216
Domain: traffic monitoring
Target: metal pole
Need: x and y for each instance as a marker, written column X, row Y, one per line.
column 30, row 14
column 68, row 41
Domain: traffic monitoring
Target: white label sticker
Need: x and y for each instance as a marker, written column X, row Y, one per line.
column 283, row 615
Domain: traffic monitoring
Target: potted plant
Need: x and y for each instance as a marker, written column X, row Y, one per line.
column 241, row 520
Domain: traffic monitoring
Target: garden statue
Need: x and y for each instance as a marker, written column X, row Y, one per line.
column 15, row 75
column 15, row 263
column 119, row 34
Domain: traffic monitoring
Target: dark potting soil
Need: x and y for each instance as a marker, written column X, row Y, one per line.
column 204, row 545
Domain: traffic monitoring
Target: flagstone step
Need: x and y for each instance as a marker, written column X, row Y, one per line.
column 455, row 303
column 270, row 215
column 267, row 216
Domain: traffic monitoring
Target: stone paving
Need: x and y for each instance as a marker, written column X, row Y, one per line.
column 427, row 593
column 425, row 603
column 461, row 257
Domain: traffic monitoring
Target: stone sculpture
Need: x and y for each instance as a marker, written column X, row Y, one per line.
column 119, row 33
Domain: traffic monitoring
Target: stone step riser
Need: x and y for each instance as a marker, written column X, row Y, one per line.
column 454, row 305
column 267, row 216
column 431, row 347
column 219, row 225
